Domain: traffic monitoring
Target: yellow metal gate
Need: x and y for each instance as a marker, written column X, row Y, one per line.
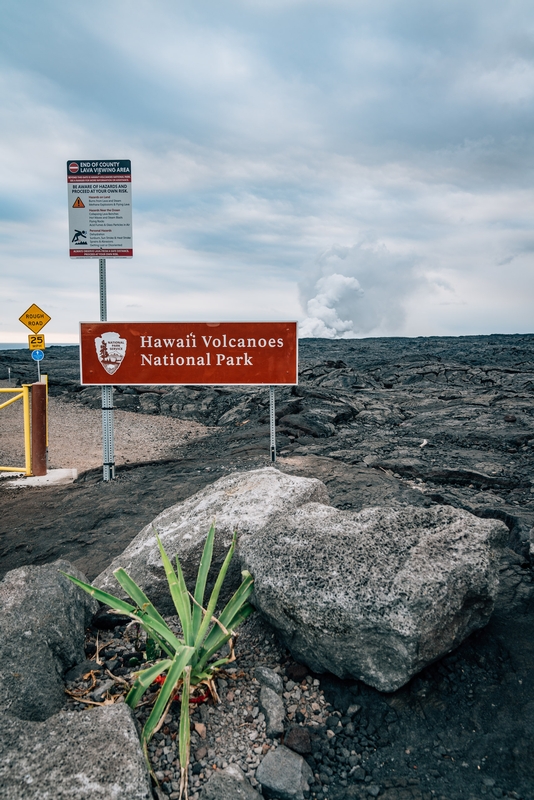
column 21, row 393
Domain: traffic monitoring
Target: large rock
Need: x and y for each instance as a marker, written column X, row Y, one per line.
column 88, row 755
column 229, row 784
column 243, row 501
column 374, row 595
column 42, row 628
column 284, row 775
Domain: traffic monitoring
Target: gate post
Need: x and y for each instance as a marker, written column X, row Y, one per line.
column 38, row 429
column 27, row 429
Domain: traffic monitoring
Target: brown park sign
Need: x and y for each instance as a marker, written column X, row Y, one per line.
column 181, row 353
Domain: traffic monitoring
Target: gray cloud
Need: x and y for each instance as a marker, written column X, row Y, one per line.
column 363, row 167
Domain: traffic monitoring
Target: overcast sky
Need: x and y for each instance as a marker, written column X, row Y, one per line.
column 362, row 166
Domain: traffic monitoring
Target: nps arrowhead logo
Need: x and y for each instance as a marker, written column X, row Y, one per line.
column 110, row 349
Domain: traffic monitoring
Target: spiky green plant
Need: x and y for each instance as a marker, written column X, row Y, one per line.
column 188, row 661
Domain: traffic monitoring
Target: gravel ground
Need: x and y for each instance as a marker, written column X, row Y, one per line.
column 454, row 732
column 449, row 734
column 232, row 731
column 75, row 436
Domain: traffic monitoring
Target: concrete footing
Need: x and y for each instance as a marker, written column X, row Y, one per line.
column 54, row 477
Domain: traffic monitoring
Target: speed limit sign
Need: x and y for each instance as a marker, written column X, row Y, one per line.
column 36, row 341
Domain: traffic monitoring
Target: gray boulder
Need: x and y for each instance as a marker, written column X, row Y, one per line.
column 378, row 594
column 243, row 501
column 42, row 629
column 229, row 784
column 284, row 775
column 87, row 755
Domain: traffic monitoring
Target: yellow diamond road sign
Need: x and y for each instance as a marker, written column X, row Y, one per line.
column 35, row 318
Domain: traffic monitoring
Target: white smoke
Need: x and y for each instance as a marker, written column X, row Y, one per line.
column 354, row 291
column 322, row 320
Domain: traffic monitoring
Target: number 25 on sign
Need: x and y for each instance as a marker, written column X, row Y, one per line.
column 36, row 341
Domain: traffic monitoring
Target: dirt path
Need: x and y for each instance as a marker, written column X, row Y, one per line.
column 75, row 436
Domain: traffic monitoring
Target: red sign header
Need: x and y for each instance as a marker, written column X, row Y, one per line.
column 185, row 353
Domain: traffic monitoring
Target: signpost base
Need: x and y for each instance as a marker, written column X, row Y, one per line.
column 272, row 420
column 108, row 438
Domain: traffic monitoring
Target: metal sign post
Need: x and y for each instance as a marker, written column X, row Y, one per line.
column 38, row 356
column 272, row 420
column 108, row 437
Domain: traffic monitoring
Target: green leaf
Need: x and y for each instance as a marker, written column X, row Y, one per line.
column 206, row 622
column 109, row 599
column 230, row 617
column 178, row 665
column 236, row 601
column 179, row 593
column 198, row 677
column 184, row 742
column 202, row 577
column 120, row 606
column 144, row 605
column 145, row 679
column 153, row 627
column 216, row 664
column 153, row 648
column 138, row 596
column 217, row 637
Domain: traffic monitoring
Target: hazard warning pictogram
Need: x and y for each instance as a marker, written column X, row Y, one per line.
column 78, row 203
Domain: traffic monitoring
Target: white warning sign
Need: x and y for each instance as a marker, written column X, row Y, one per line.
column 100, row 208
